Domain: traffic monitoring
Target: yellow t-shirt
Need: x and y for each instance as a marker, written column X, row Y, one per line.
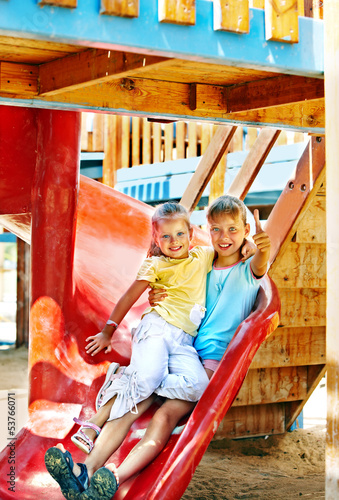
column 185, row 283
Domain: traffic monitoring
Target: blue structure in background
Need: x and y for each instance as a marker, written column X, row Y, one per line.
column 160, row 182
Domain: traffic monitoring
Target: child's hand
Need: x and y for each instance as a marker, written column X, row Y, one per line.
column 97, row 343
column 156, row 295
column 247, row 250
column 261, row 239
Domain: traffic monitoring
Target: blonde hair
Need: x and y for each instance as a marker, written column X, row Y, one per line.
column 166, row 211
column 227, row 204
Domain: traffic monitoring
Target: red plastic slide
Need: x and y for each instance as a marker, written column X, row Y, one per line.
column 86, row 247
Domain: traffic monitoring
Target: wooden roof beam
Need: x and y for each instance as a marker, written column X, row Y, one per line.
column 259, row 94
column 91, row 67
column 168, row 100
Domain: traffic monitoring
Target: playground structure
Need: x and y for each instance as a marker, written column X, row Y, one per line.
column 271, row 83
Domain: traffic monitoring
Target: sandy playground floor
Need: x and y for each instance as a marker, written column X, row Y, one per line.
column 282, row 467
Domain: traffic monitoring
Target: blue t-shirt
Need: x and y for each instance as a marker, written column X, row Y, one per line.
column 231, row 293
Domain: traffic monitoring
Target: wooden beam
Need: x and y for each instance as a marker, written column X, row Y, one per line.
column 253, row 163
column 231, row 15
column 206, row 166
column 177, row 12
column 273, row 92
column 91, row 67
column 281, row 20
column 296, row 198
column 18, row 78
column 123, row 8
column 147, row 97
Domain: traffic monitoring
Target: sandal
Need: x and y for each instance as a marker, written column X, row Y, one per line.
column 86, row 447
column 60, row 466
column 108, row 380
column 103, row 486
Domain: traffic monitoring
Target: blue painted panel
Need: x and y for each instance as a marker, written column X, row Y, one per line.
column 7, row 238
column 84, row 26
column 157, row 187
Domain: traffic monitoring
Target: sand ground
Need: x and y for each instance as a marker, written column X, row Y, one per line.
column 283, row 467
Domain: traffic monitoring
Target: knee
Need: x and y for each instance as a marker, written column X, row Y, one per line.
column 165, row 419
column 196, row 388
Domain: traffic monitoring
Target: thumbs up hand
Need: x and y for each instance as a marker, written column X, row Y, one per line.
column 260, row 238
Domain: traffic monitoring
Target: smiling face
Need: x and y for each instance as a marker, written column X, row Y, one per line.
column 173, row 237
column 227, row 235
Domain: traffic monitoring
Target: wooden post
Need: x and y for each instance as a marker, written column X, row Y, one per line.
column 177, row 11
column 281, row 20
column 231, row 15
column 313, row 8
column 136, row 140
column 157, row 142
column 110, row 144
column 331, row 51
column 23, row 272
column 125, row 141
column 169, row 141
column 146, row 142
column 59, row 3
column 192, row 140
column 180, row 140
column 98, row 132
column 124, row 8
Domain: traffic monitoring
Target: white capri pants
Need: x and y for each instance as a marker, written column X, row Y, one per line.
column 163, row 361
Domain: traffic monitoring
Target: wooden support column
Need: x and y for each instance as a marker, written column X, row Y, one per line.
column 23, row 273
column 331, row 51
column 112, row 148
column 206, row 166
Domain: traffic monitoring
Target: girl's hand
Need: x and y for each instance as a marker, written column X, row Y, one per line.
column 261, row 239
column 247, row 250
column 156, row 295
column 98, row 342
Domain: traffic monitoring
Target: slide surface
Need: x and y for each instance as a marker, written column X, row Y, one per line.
column 112, row 236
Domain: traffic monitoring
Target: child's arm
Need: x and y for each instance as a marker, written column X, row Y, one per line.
column 103, row 339
column 263, row 243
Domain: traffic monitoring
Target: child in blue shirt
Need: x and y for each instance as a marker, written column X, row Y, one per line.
column 233, row 284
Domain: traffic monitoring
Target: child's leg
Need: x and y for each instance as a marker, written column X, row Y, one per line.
column 98, row 420
column 111, row 437
column 157, row 434
column 148, row 367
column 187, row 378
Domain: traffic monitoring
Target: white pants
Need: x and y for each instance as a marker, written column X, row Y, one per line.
column 163, row 361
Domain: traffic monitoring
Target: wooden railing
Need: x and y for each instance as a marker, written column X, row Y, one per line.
column 129, row 142
column 281, row 16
